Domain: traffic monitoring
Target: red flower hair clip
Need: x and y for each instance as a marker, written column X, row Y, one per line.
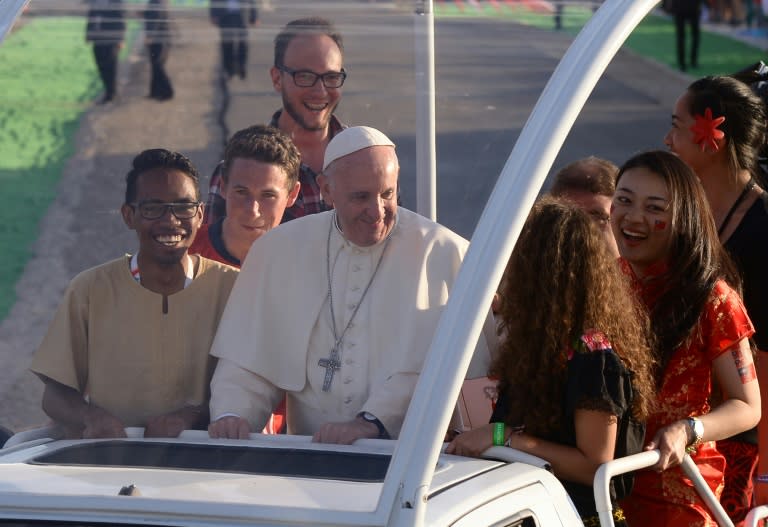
column 705, row 131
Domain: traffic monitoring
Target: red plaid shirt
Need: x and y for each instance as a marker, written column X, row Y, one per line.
column 309, row 200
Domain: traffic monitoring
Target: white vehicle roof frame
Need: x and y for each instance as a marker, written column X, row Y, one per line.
column 424, row 71
column 645, row 459
column 9, row 12
column 405, row 488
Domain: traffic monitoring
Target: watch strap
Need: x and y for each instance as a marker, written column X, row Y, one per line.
column 697, row 431
column 367, row 416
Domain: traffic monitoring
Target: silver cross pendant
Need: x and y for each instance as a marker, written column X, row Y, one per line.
column 331, row 365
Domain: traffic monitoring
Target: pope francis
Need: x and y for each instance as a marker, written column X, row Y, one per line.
column 337, row 310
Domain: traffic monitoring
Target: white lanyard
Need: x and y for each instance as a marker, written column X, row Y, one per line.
column 188, row 269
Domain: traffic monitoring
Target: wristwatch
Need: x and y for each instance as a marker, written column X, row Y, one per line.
column 696, row 428
column 367, row 416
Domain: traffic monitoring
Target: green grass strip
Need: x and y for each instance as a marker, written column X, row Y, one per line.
column 718, row 54
column 47, row 77
column 47, row 81
column 654, row 37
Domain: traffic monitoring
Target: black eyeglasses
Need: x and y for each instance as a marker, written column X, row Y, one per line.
column 307, row 79
column 151, row 210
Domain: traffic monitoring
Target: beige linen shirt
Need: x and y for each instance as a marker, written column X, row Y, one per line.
column 277, row 324
column 111, row 341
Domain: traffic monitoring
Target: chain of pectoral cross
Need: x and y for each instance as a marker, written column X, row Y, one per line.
column 333, row 363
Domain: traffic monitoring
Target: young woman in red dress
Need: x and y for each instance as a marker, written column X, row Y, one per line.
column 574, row 365
column 669, row 246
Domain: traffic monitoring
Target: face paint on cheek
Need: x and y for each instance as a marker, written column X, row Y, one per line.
column 659, row 225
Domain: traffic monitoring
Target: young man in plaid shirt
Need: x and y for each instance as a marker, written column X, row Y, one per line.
column 308, row 73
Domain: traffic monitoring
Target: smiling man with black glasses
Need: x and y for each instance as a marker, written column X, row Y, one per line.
column 308, row 73
column 129, row 343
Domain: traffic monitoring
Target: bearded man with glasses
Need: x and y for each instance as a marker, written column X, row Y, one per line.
column 128, row 346
column 308, row 73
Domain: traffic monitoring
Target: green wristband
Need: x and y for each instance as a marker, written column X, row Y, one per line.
column 498, row 434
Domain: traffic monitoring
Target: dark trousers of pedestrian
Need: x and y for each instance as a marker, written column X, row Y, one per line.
column 692, row 19
column 106, row 56
column 234, row 45
column 559, row 15
column 160, row 87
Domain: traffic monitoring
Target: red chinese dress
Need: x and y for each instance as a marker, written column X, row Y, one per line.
column 669, row 498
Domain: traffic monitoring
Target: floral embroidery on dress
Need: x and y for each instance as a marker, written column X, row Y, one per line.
column 595, row 340
column 591, row 341
column 685, row 390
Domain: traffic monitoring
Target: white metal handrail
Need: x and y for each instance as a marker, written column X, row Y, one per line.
column 512, row 455
column 643, row 460
column 755, row 515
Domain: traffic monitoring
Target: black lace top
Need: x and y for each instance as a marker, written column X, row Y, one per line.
column 596, row 380
column 748, row 246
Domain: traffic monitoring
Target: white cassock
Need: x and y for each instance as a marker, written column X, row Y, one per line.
column 277, row 323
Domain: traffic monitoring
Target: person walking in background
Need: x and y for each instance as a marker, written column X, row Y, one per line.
column 233, row 17
column 106, row 30
column 686, row 12
column 157, row 33
column 737, row 10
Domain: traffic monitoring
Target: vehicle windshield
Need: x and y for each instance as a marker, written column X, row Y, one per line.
column 291, row 462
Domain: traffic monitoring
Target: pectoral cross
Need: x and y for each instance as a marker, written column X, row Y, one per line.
column 331, row 365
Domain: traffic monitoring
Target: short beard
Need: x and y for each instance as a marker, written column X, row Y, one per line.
column 299, row 119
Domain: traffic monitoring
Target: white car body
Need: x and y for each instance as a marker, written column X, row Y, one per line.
column 197, row 481
column 43, row 480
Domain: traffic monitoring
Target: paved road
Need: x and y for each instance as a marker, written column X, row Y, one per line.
column 490, row 74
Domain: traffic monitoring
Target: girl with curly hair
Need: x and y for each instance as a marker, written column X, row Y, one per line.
column 669, row 247
column 574, row 365
column 719, row 129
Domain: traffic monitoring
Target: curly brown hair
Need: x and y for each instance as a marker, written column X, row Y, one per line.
column 561, row 280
